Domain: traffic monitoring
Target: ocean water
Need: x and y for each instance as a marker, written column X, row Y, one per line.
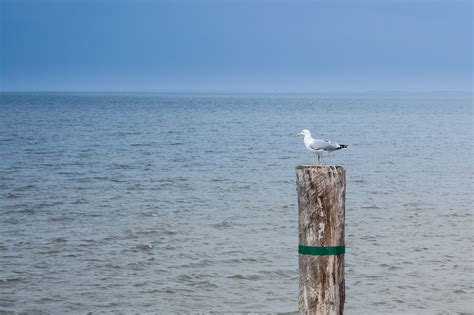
column 149, row 203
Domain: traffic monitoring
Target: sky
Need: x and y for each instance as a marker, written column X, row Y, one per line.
column 235, row 46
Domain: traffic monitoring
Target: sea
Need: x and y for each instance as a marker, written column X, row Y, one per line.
column 136, row 203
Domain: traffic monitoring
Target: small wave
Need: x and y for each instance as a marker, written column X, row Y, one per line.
column 411, row 204
column 279, row 273
column 169, row 290
column 199, row 264
column 60, row 218
column 143, row 144
column 222, row 225
column 79, row 202
column 59, row 240
column 218, row 180
column 25, row 188
column 145, row 247
column 459, row 291
column 84, row 180
column 116, row 180
column 370, row 207
column 101, row 178
column 121, row 166
column 11, row 280
column 241, row 260
column 112, row 266
column 151, row 214
column 68, row 173
column 20, row 208
column 245, row 277
column 49, row 204
column 45, row 152
column 126, row 133
column 394, row 268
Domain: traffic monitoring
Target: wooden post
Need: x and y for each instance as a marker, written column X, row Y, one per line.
column 321, row 205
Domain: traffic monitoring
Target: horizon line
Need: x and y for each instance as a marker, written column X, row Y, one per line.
column 231, row 92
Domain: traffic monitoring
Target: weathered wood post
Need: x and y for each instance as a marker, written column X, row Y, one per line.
column 321, row 206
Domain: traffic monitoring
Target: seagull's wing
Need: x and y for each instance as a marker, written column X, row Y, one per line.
column 325, row 145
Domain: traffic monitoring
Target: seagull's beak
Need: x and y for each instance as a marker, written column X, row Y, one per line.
column 298, row 134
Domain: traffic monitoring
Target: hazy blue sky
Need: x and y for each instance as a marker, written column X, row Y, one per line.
column 300, row 46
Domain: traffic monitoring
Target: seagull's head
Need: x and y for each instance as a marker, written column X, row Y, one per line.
column 303, row 133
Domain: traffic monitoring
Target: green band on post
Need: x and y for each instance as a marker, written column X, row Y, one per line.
column 320, row 251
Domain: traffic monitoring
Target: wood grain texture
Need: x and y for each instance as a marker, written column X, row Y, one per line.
column 321, row 211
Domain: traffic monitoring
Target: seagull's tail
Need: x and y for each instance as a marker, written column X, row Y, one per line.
column 343, row 146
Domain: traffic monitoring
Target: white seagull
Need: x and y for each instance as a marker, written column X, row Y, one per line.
column 319, row 147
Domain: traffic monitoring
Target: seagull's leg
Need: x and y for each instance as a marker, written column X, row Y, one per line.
column 329, row 155
column 334, row 164
column 319, row 158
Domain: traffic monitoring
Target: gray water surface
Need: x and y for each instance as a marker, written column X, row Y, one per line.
column 176, row 203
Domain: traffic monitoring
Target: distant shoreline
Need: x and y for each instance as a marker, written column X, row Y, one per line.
column 229, row 93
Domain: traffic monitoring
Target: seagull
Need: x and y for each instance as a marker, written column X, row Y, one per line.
column 317, row 146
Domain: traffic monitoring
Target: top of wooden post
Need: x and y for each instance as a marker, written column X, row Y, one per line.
column 320, row 167
column 317, row 165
